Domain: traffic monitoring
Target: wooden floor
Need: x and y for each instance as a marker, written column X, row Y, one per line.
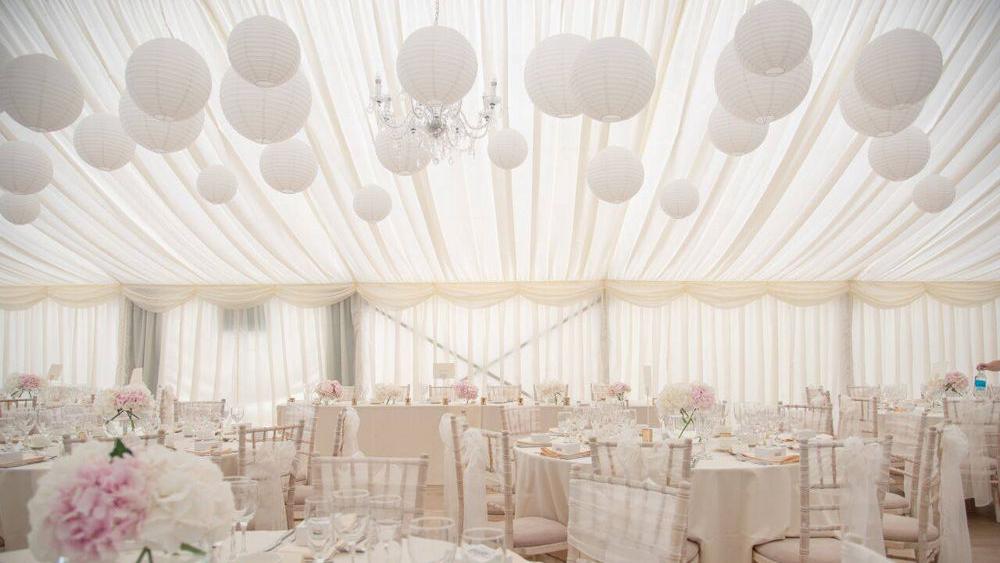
column 983, row 529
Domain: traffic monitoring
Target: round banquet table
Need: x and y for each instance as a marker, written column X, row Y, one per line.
column 734, row 504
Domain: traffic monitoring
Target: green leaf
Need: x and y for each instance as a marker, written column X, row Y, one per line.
column 120, row 449
column 192, row 549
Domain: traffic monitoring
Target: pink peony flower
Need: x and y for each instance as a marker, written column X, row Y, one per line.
column 955, row 381
column 30, row 381
column 619, row 389
column 466, row 390
column 329, row 389
column 702, row 396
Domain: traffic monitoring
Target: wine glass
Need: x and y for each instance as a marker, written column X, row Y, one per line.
column 237, row 413
column 351, row 512
column 387, row 515
column 565, row 421
column 484, row 545
column 319, row 528
column 245, row 498
column 432, row 540
column 24, row 421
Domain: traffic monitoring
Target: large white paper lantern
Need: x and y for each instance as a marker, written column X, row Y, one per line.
column 773, row 37
column 679, row 198
column 547, row 75
column 20, row 209
column 507, row 148
column 732, row 135
column 102, row 143
column 24, row 168
column 755, row 97
column 934, row 193
column 403, row 154
column 614, row 78
column 40, row 92
column 264, row 51
column 436, row 65
column 156, row 135
column 901, row 156
column 615, row 174
column 372, row 203
column 217, row 184
column 265, row 115
column 168, row 79
column 872, row 120
column 289, row 167
column 898, row 68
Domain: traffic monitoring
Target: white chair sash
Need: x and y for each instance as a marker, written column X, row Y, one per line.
column 167, row 415
column 474, row 460
column 352, row 422
column 955, row 543
column 270, row 462
column 860, row 515
column 973, row 423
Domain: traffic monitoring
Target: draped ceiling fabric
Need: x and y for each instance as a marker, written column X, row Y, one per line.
column 804, row 206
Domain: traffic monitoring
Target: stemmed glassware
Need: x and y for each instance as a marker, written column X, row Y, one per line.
column 351, row 514
column 387, row 516
column 236, row 413
column 246, row 499
column 432, row 540
column 483, row 545
column 319, row 527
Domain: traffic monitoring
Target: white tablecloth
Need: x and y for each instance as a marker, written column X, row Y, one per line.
column 17, row 486
column 735, row 504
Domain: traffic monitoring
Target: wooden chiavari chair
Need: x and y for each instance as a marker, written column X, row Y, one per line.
column 600, row 392
column 250, row 439
column 862, row 391
column 858, row 416
column 908, row 431
column 183, row 408
column 818, row 396
column 984, row 416
column 672, row 460
column 817, row 418
column 503, row 393
column 518, row 420
column 920, row 534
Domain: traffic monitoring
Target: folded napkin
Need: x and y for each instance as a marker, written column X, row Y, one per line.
column 791, row 458
column 531, row 444
column 549, row 452
column 23, row 461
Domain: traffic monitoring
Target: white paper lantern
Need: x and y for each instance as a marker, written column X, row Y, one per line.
column 401, row 154
column 871, row 120
column 773, row 37
column 156, row 135
column 934, row 193
column 679, row 198
column 547, row 74
column 168, row 79
column 289, row 167
column 40, row 92
column 901, row 156
column 898, row 68
column 217, row 184
column 436, row 65
column 24, row 168
column 372, row 203
column 755, row 97
column 20, row 209
column 264, row 51
column 102, row 143
column 265, row 115
column 615, row 174
column 507, row 148
column 732, row 135
column 614, row 78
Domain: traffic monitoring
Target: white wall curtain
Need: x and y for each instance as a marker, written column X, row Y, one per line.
column 516, row 340
column 256, row 357
column 908, row 344
column 765, row 350
column 83, row 339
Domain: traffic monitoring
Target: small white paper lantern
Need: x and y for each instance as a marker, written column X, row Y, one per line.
column 40, row 92
column 265, row 115
column 732, row 135
column 615, row 174
column 871, row 120
column 156, row 135
column 217, row 184
column 755, row 97
column 679, row 198
column 547, row 75
column 168, row 79
column 404, row 154
column 289, row 167
column 773, row 37
column 24, row 168
column 934, row 193
column 264, row 51
column 102, row 143
column 507, row 148
column 614, row 78
column 901, row 156
column 20, row 209
column 372, row 203
column 898, row 68
column 436, row 65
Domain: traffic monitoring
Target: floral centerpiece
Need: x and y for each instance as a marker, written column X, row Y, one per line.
column 133, row 401
column 387, row 393
column 102, row 500
column 955, row 382
column 685, row 399
column 329, row 390
column 620, row 390
column 550, row 391
column 466, row 390
column 21, row 384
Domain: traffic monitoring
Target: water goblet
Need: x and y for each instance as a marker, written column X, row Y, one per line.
column 351, row 514
column 246, row 499
column 432, row 540
column 484, row 545
column 319, row 528
column 387, row 516
column 237, row 413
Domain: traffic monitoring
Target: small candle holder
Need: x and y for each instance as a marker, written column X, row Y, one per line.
column 520, row 401
column 354, row 401
column 407, row 402
column 482, row 400
column 565, row 401
column 444, row 400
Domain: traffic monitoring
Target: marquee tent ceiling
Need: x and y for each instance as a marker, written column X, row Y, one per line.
column 804, row 206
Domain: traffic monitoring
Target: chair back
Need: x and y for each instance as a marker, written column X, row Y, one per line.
column 818, row 396
column 616, row 519
column 438, row 393
column 962, row 410
column 520, row 420
column 539, row 394
column 908, row 431
column 309, row 416
column 69, row 441
column 503, row 393
column 862, row 391
column 14, row 404
column 500, row 470
column 858, row 417
column 184, row 409
column 665, row 462
column 806, row 417
column 348, row 392
column 600, row 392
column 252, row 439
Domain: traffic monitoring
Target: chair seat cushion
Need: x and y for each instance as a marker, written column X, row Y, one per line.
column 494, row 504
column 821, row 550
column 895, row 502
column 691, row 551
column 302, row 492
column 904, row 528
column 533, row 531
